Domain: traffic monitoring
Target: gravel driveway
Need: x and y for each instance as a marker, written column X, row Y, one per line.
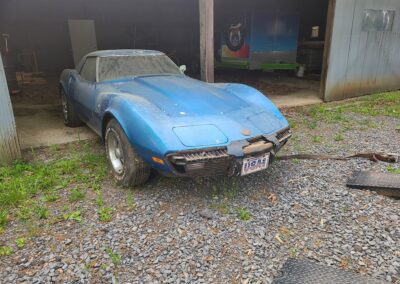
column 239, row 230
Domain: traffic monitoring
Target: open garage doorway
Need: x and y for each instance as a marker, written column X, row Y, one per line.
column 275, row 46
column 41, row 38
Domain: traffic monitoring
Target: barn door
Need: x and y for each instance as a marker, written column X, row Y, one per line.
column 83, row 38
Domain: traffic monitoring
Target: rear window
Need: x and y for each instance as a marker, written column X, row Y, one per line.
column 121, row 67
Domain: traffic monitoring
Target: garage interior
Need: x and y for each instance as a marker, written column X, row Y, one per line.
column 37, row 44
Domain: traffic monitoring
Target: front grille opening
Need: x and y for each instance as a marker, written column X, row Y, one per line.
column 202, row 163
column 283, row 135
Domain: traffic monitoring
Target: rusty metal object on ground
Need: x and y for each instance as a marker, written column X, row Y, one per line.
column 375, row 157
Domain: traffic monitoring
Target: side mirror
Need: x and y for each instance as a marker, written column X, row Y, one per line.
column 183, row 69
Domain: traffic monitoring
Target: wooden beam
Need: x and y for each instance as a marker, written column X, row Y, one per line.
column 207, row 40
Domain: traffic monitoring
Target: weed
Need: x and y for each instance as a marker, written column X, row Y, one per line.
column 292, row 123
column 21, row 242
column 312, row 124
column 76, row 195
column 51, row 197
column 5, row 251
column 296, row 161
column 393, row 170
column 74, row 216
column 103, row 266
column 24, row 213
column 223, row 208
column 99, row 200
column 226, row 187
column 317, row 139
column 3, row 218
column 293, row 252
column 42, row 212
column 115, row 257
column 130, row 201
column 105, row 214
column 243, row 214
column 339, row 137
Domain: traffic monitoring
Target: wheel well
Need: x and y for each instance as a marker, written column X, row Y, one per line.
column 107, row 117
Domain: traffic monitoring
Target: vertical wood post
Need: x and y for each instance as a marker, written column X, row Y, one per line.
column 207, row 40
column 9, row 144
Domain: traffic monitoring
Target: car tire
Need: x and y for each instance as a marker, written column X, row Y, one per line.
column 71, row 119
column 127, row 167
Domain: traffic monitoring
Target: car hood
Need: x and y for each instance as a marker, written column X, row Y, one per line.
column 183, row 96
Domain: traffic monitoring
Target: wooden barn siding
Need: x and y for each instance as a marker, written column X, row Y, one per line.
column 9, row 145
column 362, row 62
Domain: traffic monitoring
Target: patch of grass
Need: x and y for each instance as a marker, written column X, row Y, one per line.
column 73, row 216
column 339, row 137
column 384, row 104
column 76, row 195
column 6, row 251
column 393, row 170
column 317, row 139
column 105, row 214
column 23, row 182
column 115, row 257
column 243, row 214
column 21, row 243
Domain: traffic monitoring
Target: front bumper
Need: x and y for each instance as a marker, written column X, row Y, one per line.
column 226, row 160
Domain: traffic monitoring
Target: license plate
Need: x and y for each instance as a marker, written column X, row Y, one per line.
column 255, row 164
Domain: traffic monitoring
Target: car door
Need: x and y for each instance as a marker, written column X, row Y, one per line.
column 85, row 90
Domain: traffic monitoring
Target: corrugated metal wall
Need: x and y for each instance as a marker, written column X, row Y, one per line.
column 362, row 61
column 9, row 145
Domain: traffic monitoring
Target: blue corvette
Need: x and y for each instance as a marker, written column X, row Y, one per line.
column 151, row 116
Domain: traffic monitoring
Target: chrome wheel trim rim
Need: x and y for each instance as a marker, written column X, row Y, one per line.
column 115, row 152
column 64, row 107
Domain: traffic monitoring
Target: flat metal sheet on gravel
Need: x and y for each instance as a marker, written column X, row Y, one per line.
column 296, row 271
column 383, row 183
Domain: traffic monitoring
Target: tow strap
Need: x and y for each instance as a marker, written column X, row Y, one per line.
column 375, row 157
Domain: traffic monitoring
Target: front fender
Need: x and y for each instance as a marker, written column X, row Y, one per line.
column 138, row 119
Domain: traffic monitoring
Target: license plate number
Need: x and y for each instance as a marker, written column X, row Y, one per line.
column 255, row 164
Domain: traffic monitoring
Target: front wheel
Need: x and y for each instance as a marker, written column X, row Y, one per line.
column 71, row 119
column 127, row 167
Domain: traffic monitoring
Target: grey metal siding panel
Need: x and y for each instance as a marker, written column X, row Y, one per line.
column 9, row 145
column 362, row 62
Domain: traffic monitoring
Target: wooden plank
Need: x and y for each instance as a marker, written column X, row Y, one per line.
column 206, row 9
column 382, row 183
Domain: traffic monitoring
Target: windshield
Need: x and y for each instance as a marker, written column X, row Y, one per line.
column 120, row 67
